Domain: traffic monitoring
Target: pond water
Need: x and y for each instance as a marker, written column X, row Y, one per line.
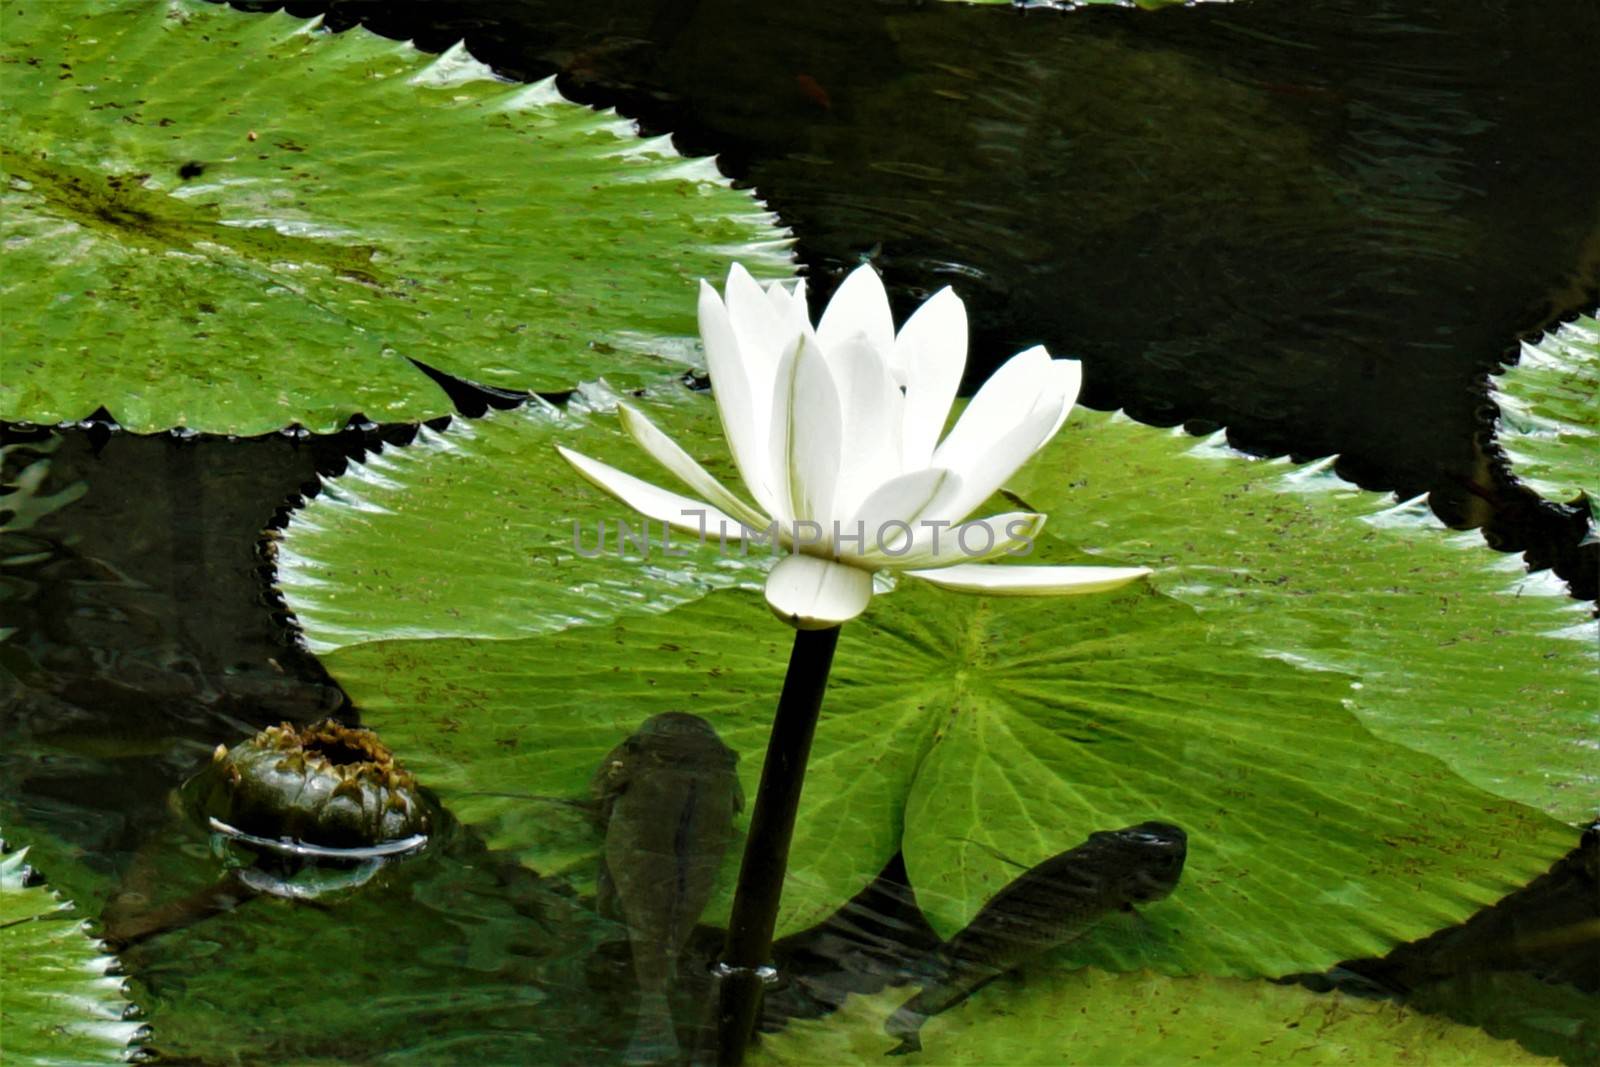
column 1317, row 224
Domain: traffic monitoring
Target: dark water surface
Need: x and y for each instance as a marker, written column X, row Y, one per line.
column 1317, row 223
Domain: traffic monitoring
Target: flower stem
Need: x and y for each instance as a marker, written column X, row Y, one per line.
column 766, row 851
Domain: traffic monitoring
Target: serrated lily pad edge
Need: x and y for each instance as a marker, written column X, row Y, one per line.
column 455, row 65
column 97, row 1012
column 1516, row 421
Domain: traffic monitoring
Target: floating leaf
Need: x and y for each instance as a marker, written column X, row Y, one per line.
column 58, row 1004
column 955, row 723
column 1018, row 727
column 1456, row 650
column 1549, row 415
column 1544, row 1017
column 233, row 222
column 481, row 531
column 1089, row 1017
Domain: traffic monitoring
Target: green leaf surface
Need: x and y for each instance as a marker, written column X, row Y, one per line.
column 1457, row 651
column 232, row 222
column 483, row 531
column 504, row 730
column 1022, row 726
column 1550, row 413
column 58, row 1004
column 1090, row 1017
column 953, row 723
column 1544, row 1017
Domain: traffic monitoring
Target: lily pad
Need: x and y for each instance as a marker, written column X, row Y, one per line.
column 953, row 724
column 58, row 1002
column 957, row 726
column 1548, row 1018
column 233, row 222
column 1090, row 1017
column 1549, row 419
column 481, row 531
column 1457, row 651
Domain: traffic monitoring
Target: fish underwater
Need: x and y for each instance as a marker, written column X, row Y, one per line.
column 1050, row 904
column 666, row 797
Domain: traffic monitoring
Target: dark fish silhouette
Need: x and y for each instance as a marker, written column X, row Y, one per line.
column 1048, row 905
column 666, row 797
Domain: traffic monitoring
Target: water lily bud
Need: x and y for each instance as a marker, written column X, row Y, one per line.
column 326, row 784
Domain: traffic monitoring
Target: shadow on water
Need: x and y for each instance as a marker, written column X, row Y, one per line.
column 1320, row 224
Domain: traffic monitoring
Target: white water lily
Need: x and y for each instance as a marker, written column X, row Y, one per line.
column 835, row 431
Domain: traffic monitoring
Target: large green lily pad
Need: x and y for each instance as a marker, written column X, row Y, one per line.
column 58, row 1003
column 233, row 222
column 956, row 728
column 1549, row 416
column 1545, row 1017
column 1050, row 1019
column 959, row 726
column 1456, row 651
column 482, row 531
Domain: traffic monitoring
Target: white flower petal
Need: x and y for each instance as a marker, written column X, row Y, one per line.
column 812, row 447
column 985, row 467
column 932, row 347
column 902, row 499
column 679, row 512
column 667, row 452
column 859, row 306
column 1010, row 534
column 999, row 579
column 783, row 300
column 870, row 407
column 1068, row 375
column 1016, row 387
column 745, row 413
column 755, row 322
column 814, row 594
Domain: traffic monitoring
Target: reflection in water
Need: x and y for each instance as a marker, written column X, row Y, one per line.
column 451, row 955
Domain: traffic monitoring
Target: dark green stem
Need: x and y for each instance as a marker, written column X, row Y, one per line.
column 766, row 851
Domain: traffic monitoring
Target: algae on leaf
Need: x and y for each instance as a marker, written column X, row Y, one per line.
column 58, row 1003
column 1055, row 1019
column 233, row 222
column 1549, row 420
